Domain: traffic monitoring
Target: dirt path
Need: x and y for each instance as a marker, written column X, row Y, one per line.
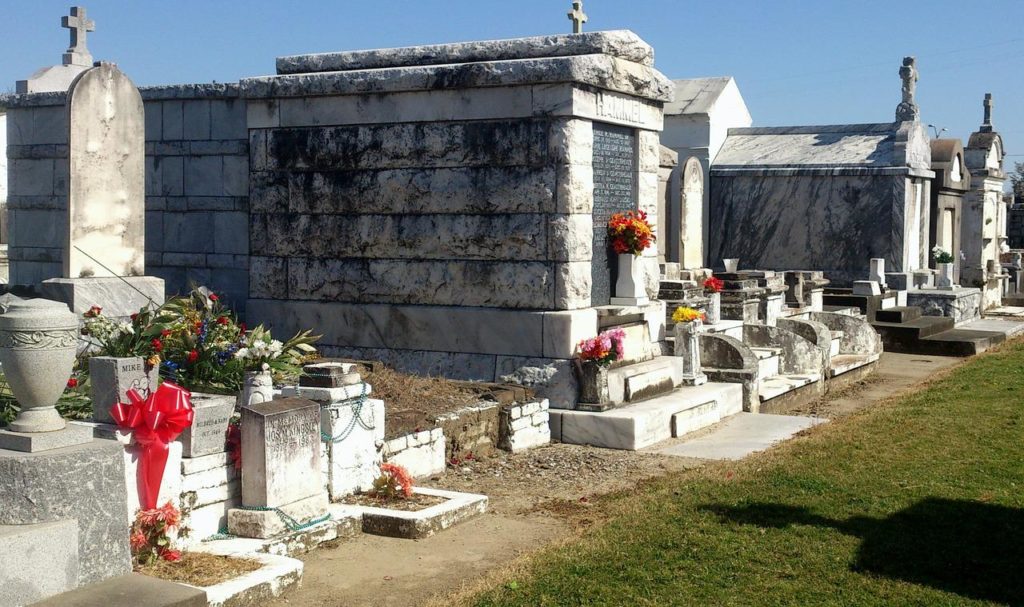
column 530, row 494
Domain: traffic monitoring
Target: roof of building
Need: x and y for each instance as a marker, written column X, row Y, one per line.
column 696, row 95
column 831, row 146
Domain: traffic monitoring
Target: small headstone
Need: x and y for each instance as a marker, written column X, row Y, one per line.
column 111, row 378
column 280, row 468
column 208, row 431
column 876, row 270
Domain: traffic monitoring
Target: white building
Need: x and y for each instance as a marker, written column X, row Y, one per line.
column 696, row 125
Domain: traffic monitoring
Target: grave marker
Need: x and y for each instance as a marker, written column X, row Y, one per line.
column 615, row 190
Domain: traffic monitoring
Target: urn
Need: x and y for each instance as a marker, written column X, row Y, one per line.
column 629, row 285
column 944, row 279
column 257, row 387
column 38, row 340
column 731, row 264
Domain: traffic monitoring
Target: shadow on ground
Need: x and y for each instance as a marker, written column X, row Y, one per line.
column 969, row 548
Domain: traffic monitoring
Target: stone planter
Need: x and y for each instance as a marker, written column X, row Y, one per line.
column 687, row 346
column 593, row 382
column 629, row 285
column 944, row 276
column 714, row 310
column 38, row 340
column 257, row 388
column 732, row 264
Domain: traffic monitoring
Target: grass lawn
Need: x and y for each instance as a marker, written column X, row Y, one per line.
column 914, row 501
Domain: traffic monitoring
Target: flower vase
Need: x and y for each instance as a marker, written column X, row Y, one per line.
column 629, row 286
column 944, row 279
column 687, row 346
column 38, row 340
column 593, row 383
column 258, row 387
column 732, row 264
column 714, row 311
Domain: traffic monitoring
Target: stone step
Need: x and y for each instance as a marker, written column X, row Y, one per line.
column 767, row 361
column 739, row 436
column 916, row 329
column 898, row 314
column 639, row 381
column 961, row 342
column 38, row 560
column 130, row 590
column 847, row 310
column 777, row 385
column 844, row 363
column 638, row 425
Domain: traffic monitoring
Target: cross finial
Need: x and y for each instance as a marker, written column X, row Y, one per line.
column 80, row 25
column 907, row 110
column 988, row 104
column 577, row 16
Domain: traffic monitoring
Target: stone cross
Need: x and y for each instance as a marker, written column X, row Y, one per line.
column 80, row 25
column 907, row 109
column 986, row 126
column 577, row 16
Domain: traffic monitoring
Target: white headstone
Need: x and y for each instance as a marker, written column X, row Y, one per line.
column 106, row 198
column 692, row 234
column 280, row 452
column 877, row 270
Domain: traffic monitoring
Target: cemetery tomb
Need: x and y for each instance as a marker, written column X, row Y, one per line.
column 825, row 197
column 464, row 189
column 952, row 180
column 984, row 213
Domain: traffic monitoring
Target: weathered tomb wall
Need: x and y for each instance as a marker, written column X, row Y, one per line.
column 829, row 222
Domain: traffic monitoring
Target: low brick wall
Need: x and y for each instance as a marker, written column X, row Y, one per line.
column 210, row 486
column 421, row 453
column 524, row 426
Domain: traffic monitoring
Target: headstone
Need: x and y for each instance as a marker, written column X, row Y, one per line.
column 110, row 379
column 615, row 181
column 106, row 201
column 692, row 235
column 208, row 431
column 280, row 468
column 76, row 59
column 329, row 375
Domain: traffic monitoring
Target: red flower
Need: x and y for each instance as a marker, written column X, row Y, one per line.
column 193, row 356
column 170, row 555
column 198, row 326
column 157, row 345
column 93, row 312
column 138, row 540
column 242, row 328
column 222, row 320
column 72, row 383
column 713, row 284
column 400, row 475
column 165, row 333
column 134, row 317
column 213, row 297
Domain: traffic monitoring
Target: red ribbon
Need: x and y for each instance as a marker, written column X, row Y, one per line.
column 154, row 423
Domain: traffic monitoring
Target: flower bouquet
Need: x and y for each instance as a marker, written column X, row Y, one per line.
column 713, row 285
column 593, row 356
column 687, row 315
column 630, row 232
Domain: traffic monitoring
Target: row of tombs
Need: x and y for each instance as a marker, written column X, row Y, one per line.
column 445, row 210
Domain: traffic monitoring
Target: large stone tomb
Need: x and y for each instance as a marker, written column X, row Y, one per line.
column 281, row 479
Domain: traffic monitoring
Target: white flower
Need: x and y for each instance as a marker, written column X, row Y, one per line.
column 126, row 328
column 242, row 353
column 275, row 347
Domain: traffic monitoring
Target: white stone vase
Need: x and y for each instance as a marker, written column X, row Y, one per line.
column 258, row 387
column 38, row 340
column 714, row 311
column 732, row 264
column 944, row 278
column 687, row 346
column 630, row 282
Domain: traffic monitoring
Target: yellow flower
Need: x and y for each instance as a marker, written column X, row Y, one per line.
column 683, row 314
column 154, row 360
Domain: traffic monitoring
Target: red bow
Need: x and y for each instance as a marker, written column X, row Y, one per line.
column 154, row 422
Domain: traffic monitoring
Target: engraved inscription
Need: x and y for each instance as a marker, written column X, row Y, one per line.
column 615, row 185
column 618, row 108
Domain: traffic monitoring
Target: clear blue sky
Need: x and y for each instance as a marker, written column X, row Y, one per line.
column 796, row 61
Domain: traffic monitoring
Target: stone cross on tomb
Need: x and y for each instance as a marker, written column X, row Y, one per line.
column 907, row 109
column 80, row 26
column 577, row 16
column 986, row 126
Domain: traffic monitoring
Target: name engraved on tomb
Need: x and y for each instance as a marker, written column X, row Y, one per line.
column 615, row 184
column 292, row 433
column 617, row 108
